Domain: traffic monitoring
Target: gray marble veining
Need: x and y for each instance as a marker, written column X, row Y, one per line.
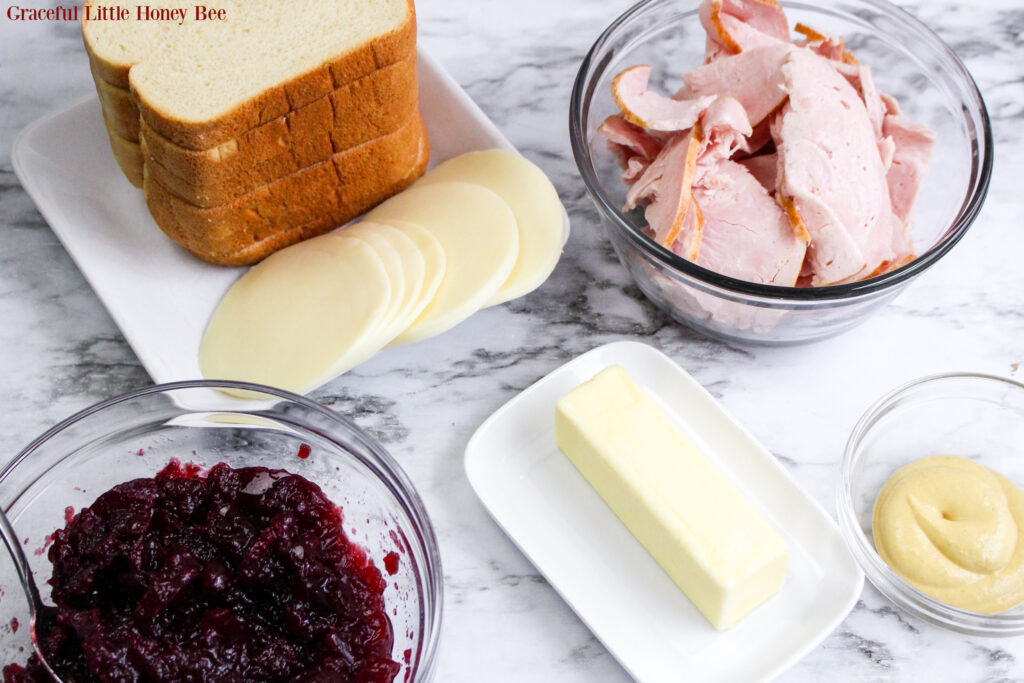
column 60, row 351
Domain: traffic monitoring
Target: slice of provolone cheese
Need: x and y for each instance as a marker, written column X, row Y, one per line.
column 395, row 266
column 382, row 332
column 435, row 265
column 534, row 201
column 296, row 315
column 478, row 233
column 424, row 262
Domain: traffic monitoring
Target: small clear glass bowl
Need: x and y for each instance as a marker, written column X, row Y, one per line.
column 980, row 417
column 137, row 434
column 907, row 60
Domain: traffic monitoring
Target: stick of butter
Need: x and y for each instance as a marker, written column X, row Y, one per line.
column 723, row 555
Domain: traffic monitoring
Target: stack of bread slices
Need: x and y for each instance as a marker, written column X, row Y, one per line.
column 281, row 121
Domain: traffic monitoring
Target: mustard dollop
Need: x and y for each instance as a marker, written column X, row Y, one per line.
column 954, row 529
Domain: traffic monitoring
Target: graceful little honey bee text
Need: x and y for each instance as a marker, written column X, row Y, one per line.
column 175, row 15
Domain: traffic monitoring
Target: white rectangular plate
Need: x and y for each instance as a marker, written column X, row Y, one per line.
column 607, row 577
column 157, row 293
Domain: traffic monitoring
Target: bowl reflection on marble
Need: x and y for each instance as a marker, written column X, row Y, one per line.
column 137, row 434
column 980, row 417
column 908, row 61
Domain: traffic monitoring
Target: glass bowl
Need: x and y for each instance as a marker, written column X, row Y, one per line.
column 980, row 417
column 907, row 60
column 137, row 434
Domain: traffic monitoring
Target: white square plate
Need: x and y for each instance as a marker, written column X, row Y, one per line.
column 564, row 527
column 157, row 293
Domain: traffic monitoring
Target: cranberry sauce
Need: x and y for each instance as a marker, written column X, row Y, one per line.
column 238, row 575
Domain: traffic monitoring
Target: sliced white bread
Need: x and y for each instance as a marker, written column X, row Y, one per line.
column 361, row 104
column 365, row 109
column 205, row 82
column 119, row 109
column 128, row 156
column 210, row 177
column 357, row 112
column 295, row 207
column 200, row 189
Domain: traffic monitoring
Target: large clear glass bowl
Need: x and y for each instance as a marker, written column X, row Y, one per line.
column 980, row 417
column 135, row 435
column 907, row 60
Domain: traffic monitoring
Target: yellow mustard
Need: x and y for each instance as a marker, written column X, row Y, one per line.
column 954, row 529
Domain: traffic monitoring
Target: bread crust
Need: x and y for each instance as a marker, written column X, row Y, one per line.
column 356, row 113
column 351, row 102
column 313, row 149
column 272, row 103
column 119, row 109
column 298, row 206
column 291, row 162
column 128, row 156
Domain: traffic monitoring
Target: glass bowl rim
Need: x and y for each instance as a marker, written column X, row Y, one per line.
column 409, row 499
column 888, row 582
column 954, row 232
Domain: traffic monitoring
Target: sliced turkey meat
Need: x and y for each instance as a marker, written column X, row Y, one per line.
column 670, row 213
column 760, row 139
column 830, row 47
column 862, row 81
column 633, row 138
column 886, row 150
column 912, row 150
column 739, row 25
column 765, row 168
column 830, row 168
column 725, row 128
column 635, row 167
column 901, row 251
column 746, row 235
column 753, row 77
column 665, row 187
column 776, row 162
column 649, row 109
column 743, row 36
column 902, row 245
column 689, row 240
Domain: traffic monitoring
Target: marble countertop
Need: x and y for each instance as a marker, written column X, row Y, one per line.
column 60, row 351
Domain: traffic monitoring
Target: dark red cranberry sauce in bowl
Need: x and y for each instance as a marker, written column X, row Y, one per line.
column 232, row 575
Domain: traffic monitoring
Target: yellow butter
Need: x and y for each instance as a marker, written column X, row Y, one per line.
column 723, row 555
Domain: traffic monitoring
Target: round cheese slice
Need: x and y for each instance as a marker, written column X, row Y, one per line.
column 434, row 262
column 422, row 259
column 534, row 201
column 297, row 315
column 478, row 233
column 396, row 268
